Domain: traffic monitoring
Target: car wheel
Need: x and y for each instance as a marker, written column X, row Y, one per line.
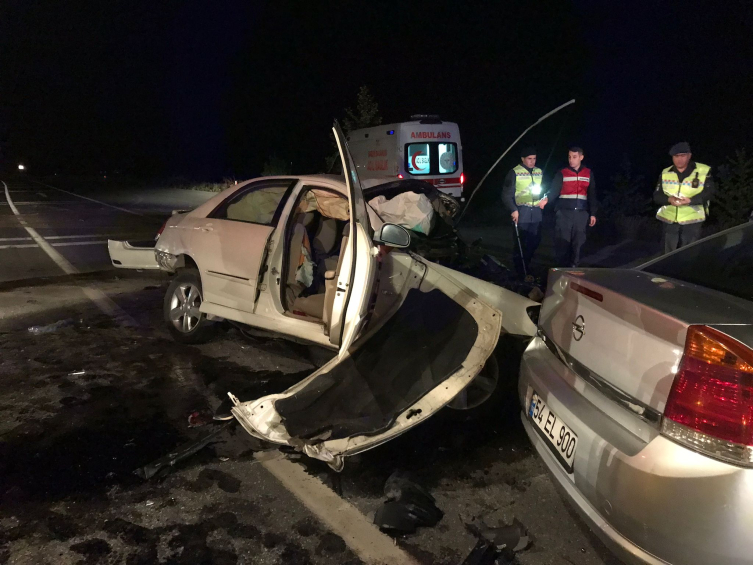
column 481, row 389
column 503, row 367
column 181, row 309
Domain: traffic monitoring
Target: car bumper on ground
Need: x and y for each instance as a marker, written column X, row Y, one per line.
column 650, row 500
column 127, row 255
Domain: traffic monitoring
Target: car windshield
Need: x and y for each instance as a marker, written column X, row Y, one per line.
column 723, row 262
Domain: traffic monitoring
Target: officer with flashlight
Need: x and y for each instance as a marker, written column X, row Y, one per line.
column 524, row 197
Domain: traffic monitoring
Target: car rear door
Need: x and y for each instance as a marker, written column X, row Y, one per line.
column 229, row 244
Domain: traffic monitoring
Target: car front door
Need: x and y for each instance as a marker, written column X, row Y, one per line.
column 230, row 243
column 357, row 277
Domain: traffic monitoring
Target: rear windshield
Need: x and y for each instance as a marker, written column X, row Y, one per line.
column 431, row 158
column 723, row 262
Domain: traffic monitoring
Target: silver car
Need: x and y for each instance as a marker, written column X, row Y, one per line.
column 638, row 396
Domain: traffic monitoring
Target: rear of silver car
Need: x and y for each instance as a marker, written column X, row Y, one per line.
column 637, row 396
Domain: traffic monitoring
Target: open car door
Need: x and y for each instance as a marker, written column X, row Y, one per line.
column 356, row 279
column 130, row 255
column 428, row 339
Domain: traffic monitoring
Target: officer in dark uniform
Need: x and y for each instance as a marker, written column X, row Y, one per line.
column 524, row 197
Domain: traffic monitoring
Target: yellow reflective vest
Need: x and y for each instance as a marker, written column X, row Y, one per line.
column 691, row 186
column 528, row 189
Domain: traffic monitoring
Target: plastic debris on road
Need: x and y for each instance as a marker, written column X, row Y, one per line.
column 497, row 545
column 408, row 506
column 163, row 465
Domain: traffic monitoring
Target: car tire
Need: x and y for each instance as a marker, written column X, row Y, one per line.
column 181, row 309
column 481, row 390
column 503, row 366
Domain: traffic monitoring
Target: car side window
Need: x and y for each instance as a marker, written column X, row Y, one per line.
column 260, row 203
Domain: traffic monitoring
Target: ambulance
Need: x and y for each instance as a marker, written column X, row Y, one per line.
column 425, row 148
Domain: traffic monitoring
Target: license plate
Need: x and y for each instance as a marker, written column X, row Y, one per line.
column 560, row 438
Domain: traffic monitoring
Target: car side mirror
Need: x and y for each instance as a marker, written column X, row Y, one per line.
column 392, row 235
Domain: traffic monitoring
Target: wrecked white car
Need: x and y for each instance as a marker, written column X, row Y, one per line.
column 308, row 258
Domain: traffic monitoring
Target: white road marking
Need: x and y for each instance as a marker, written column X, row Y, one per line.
column 100, row 299
column 20, row 246
column 87, row 236
column 92, row 200
column 344, row 519
column 33, row 202
column 72, row 243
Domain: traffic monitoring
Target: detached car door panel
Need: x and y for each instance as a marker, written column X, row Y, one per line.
column 415, row 360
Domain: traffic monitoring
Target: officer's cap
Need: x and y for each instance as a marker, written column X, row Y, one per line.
column 677, row 148
column 527, row 151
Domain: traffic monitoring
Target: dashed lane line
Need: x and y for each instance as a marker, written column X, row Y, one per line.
column 100, row 299
column 344, row 519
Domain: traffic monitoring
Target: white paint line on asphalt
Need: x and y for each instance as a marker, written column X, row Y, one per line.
column 344, row 519
column 88, row 236
column 92, row 200
column 100, row 299
column 74, row 243
column 20, row 246
column 33, row 202
column 59, row 260
column 63, row 244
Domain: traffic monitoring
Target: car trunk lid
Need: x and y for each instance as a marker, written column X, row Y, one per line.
column 624, row 330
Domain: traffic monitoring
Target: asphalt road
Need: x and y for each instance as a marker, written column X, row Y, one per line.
column 75, row 223
column 97, row 396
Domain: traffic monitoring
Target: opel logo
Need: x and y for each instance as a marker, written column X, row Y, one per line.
column 579, row 328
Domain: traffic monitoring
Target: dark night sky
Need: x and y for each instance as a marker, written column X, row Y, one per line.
column 209, row 89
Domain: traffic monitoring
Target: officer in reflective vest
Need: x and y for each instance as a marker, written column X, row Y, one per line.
column 683, row 191
column 524, row 197
column 574, row 192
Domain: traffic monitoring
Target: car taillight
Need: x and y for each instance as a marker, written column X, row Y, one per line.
column 710, row 406
column 159, row 232
column 462, row 178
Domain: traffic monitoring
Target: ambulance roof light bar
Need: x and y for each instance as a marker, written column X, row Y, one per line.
column 427, row 118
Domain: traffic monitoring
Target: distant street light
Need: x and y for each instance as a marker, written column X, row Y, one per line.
column 21, row 167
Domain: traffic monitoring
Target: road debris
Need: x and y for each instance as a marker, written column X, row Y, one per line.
column 497, row 545
column 408, row 506
column 198, row 418
column 163, row 465
column 51, row 328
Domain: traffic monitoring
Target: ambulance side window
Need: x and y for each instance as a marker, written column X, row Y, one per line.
column 419, row 158
column 431, row 158
column 448, row 158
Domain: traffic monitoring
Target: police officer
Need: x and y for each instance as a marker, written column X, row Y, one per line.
column 683, row 191
column 574, row 192
column 524, row 197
